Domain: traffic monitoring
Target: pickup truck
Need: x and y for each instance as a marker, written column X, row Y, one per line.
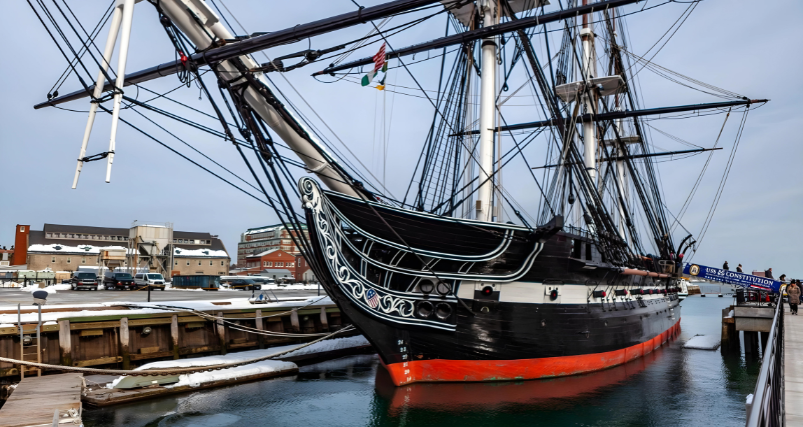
column 84, row 280
column 118, row 281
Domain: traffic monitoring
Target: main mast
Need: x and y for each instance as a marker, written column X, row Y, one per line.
column 484, row 204
column 590, row 105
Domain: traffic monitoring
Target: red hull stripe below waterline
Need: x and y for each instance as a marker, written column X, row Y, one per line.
column 437, row 370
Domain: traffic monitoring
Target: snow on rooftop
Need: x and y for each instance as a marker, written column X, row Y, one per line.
column 264, row 229
column 199, row 253
column 80, row 249
column 269, row 251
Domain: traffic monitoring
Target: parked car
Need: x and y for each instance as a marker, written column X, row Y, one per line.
column 84, row 280
column 154, row 280
column 117, row 281
column 245, row 283
column 262, row 280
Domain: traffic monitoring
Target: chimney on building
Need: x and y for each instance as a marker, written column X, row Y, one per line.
column 21, row 245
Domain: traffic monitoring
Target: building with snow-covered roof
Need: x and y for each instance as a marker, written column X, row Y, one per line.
column 260, row 239
column 188, row 262
column 270, row 259
column 69, row 247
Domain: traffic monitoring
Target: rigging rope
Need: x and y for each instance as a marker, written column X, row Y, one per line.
column 721, row 186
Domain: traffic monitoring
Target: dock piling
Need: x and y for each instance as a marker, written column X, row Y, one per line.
column 296, row 326
column 258, row 325
column 124, row 343
column 65, row 342
column 174, row 336
column 221, row 333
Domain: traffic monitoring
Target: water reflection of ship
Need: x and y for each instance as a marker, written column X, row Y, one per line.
column 483, row 396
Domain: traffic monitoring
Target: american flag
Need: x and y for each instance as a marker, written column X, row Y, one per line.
column 379, row 58
column 372, row 298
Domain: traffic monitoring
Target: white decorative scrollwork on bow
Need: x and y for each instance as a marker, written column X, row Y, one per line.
column 354, row 285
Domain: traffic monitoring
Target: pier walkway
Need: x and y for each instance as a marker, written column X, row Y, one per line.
column 793, row 367
column 36, row 399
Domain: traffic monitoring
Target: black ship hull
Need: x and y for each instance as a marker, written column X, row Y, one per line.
column 455, row 300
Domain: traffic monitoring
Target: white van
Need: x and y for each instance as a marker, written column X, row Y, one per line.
column 154, row 280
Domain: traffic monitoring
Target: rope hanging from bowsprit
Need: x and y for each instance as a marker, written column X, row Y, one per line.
column 94, row 157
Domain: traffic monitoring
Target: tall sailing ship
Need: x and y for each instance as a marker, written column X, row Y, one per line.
column 456, row 281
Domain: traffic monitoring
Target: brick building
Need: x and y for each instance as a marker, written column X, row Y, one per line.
column 261, row 239
column 270, row 259
column 68, row 247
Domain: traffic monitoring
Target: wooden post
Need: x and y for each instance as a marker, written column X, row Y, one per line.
column 296, row 327
column 65, row 344
column 259, row 325
column 174, row 336
column 724, row 337
column 124, row 343
column 221, row 333
column 324, row 320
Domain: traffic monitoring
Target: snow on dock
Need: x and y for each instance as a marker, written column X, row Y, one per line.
column 127, row 389
column 8, row 314
column 703, row 342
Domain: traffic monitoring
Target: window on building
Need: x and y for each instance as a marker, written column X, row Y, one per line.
column 290, row 264
column 279, row 264
column 222, row 263
column 22, row 228
column 188, row 262
column 264, row 263
column 270, row 264
column 176, row 263
column 211, row 263
column 83, row 260
column 199, row 263
column 52, row 259
column 68, row 260
column 208, row 242
column 49, row 235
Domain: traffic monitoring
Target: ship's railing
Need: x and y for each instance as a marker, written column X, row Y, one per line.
column 765, row 407
column 580, row 232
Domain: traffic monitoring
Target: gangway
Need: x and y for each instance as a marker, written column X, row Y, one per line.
column 743, row 280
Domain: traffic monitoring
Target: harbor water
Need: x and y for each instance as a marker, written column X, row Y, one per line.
column 670, row 387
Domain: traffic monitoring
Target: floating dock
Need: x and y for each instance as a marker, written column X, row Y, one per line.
column 37, row 401
column 104, row 390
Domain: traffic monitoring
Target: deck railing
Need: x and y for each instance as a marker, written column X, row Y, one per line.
column 767, row 406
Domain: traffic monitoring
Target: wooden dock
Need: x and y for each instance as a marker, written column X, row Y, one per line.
column 793, row 367
column 125, row 337
column 36, row 399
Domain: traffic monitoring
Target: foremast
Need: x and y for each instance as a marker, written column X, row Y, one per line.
column 485, row 202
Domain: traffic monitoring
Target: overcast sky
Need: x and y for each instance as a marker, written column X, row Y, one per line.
column 733, row 44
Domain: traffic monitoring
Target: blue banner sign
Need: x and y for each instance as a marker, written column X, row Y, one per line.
column 732, row 277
